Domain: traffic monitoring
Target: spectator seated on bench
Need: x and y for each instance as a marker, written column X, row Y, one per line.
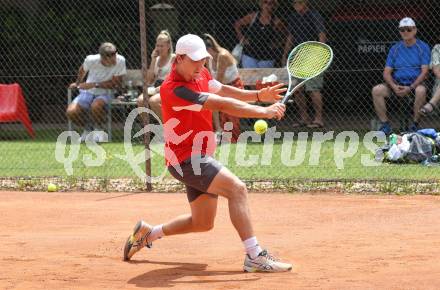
column 223, row 68
column 162, row 59
column 405, row 71
column 104, row 72
column 430, row 106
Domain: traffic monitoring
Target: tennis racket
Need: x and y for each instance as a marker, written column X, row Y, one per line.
column 306, row 61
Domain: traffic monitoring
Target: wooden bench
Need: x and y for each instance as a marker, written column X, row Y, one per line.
column 134, row 75
column 248, row 76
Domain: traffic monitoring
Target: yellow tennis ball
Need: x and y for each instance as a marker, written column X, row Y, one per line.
column 260, row 127
column 52, row 187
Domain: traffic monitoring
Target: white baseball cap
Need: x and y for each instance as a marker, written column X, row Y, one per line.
column 407, row 22
column 193, row 46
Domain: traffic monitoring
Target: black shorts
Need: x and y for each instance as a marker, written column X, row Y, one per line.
column 197, row 181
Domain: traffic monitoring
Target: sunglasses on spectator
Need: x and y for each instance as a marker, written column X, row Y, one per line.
column 110, row 54
column 268, row 2
column 407, row 29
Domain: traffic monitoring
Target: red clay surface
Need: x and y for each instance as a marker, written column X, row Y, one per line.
column 75, row 241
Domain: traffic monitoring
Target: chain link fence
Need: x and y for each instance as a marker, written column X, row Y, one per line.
column 43, row 44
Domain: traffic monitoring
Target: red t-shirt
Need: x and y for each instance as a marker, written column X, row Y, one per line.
column 187, row 126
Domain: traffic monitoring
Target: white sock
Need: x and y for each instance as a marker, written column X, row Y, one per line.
column 156, row 233
column 252, row 247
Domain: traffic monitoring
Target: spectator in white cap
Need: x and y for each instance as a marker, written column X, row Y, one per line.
column 189, row 95
column 405, row 72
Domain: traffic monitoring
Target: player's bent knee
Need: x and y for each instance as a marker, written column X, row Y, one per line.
column 69, row 113
column 154, row 100
column 98, row 105
column 140, row 101
column 203, row 226
column 420, row 90
column 240, row 190
column 72, row 112
column 379, row 91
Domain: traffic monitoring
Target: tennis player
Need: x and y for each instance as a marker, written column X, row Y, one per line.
column 189, row 95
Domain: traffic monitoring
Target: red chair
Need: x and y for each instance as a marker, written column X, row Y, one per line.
column 13, row 107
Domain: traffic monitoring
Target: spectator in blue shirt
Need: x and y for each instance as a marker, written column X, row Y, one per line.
column 405, row 71
column 305, row 24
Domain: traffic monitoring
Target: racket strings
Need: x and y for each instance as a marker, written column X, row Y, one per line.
column 309, row 60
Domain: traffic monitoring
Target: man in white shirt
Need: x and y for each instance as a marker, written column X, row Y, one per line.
column 104, row 73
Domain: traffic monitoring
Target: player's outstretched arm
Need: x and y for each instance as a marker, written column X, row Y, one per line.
column 266, row 95
column 242, row 109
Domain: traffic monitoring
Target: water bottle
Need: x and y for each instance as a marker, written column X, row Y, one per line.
column 379, row 156
column 435, row 159
column 131, row 92
column 393, row 139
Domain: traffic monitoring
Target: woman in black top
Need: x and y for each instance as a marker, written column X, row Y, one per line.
column 261, row 36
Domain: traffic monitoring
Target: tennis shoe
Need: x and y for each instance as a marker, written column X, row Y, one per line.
column 413, row 127
column 137, row 240
column 386, row 128
column 86, row 135
column 265, row 262
column 100, row 136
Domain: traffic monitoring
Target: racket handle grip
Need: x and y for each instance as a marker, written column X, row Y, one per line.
column 285, row 98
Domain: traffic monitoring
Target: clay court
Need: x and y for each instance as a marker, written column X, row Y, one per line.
column 75, row 240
